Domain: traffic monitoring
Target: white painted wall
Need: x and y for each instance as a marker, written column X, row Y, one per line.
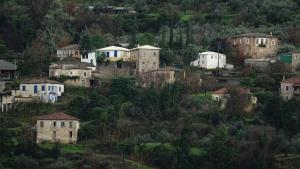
column 209, row 60
column 45, row 91
column 91, row 58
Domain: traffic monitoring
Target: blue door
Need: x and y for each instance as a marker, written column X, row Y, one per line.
column 35, row 89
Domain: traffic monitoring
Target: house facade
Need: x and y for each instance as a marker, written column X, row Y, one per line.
column 7, row 70
column 73, row 73
column 210, row 60
column 70, row 51
column 90, row 58
column 47, row 91
column 254, row 45
column 57, row 128
column 290, row 88
column 146, row 58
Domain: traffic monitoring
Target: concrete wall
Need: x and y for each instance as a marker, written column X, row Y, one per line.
column 249, row 47
column 46, row 133
column 120, row 53
column 91, row 58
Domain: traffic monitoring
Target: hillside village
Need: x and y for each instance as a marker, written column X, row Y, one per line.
column 149, row 85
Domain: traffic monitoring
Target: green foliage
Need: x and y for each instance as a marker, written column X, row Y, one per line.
column 125, row 87
column 25, row 162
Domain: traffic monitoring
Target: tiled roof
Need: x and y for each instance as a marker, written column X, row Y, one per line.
column 145, row 47
column 224, row 90
column 111, row 48
column 39, row 81
column 221, row 91
column 295, row 80
column 70, row 64
column 69, row 47
column 7, row 66
column 57, row 116
column 262, row 35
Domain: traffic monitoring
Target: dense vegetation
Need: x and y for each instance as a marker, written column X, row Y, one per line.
column 177, row 126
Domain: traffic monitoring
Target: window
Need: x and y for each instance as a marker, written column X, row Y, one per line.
column 59, row 89
column 62, row 124
column 154, row 53
column 247, row 41
column 24, row 88
column 71, row 73
column 115, row 53
column 70, row 124
column 273, row 42
column 52, row 88
column 107, row 54
column 154, row 63
column 43, row 87
column 49, row 88
column 212, row 56
column 76, row 52
column 41, row 124
column 84, row 74
column 143, row 63
column 257, row 41
column 91, row 61
column 70, row 134
column 35, row 88
column 287, row 88
column 54, row 124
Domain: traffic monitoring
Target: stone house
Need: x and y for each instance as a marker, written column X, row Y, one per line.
column 210, row 60
column 57, row 128
column 290, row 88
column 70, row 51
column 254, row 45
column 47, row 91
column 73, row 73
column 146, row 58
column 160, row 77
column 7, row 70
column 221, row 96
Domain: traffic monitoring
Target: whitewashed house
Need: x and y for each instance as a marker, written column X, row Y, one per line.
column 114, row 53
column 47, row 91
column 210, row 60
column 57, row 128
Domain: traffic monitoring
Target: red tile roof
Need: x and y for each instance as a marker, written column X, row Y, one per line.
column 221, row 91
column 224, row 90
column 57, row 116
column 295, row 80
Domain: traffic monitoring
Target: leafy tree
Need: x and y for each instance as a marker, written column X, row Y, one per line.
column 146, row 39
column 124, row 86
column 25, row 162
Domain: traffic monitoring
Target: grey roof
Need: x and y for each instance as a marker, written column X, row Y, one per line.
column 71, row 64
column 7, row 66
column 263, row 35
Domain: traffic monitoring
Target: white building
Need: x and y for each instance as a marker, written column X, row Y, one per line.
column 57, row 127
column 70, row 51
column 114, row 53
column 43, row 90
column 210, row 60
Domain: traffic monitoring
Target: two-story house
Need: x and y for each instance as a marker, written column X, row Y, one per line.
column 57, row 128
column 210, row 60
column 48, row 91
column 146, row 58
column 114, row 53
column 254, row 45
column 290, row 88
